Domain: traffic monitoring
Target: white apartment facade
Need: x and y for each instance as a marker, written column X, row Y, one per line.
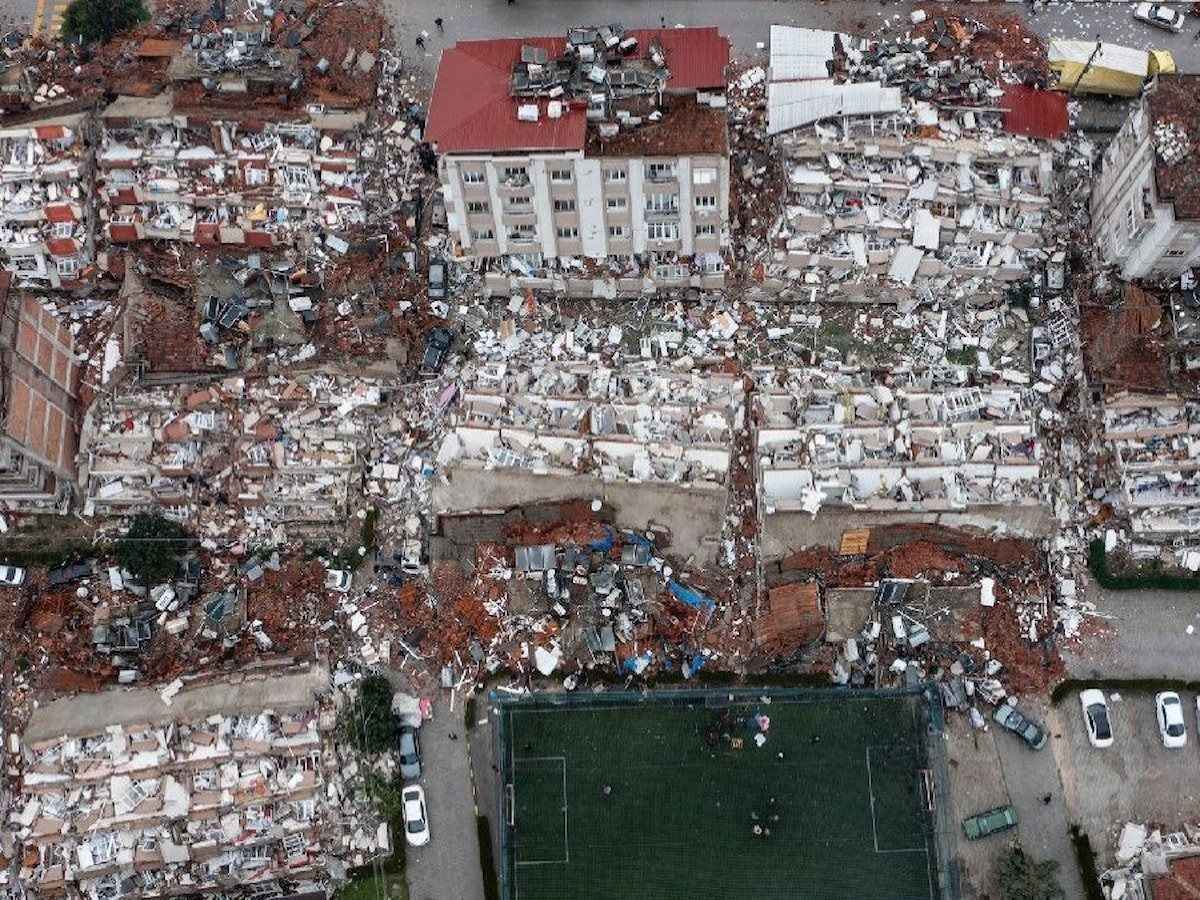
column 585, row 198
column 1145, row 207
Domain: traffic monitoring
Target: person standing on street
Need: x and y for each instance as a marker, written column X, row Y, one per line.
column 438, row 23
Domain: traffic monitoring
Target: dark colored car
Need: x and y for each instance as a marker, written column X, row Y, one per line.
column 437, row 280
column 1011, row 718
column 65, row 574
column 408, row 748
column 437, row 348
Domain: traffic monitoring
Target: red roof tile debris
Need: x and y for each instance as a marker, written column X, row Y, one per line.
column 1176, row 99
column 158, row 48
column 793, row 619
column 50, row 132
column 122, row 233
column 1035, row 113
column 1182, row 881
column 472, row 109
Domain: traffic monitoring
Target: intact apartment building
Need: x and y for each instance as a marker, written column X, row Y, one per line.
column 595, row 164
column 1146, row 200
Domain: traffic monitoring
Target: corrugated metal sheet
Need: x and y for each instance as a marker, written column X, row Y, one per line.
column 471, row 108
column 1115, row 69
column 801, row 52
column 1040, row 114
column 791, row 104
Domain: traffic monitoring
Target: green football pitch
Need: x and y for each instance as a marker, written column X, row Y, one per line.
column 661, row 799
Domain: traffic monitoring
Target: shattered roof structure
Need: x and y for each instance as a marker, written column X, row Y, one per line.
column 931, row 441
column 215, row 800
column 481, row 85
column 1175, row 102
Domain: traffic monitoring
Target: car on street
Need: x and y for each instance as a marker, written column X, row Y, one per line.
column 437, row 280
column 1171, row 727
column 1015, row 721
column 416, row 821
column 995, row 820
column 13, row 576
column 437, row 348
column 61, row 575
column 338, row 580
column 408, row 748
column 1095, row 717
column 1159, row 15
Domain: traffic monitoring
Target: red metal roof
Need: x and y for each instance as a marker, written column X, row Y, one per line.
column 472, row 110
column 50, row 132
column 1040, row 114
column 122, row 232
column 59, row 212
column 62, row 247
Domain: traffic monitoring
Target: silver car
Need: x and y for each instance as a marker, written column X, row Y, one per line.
column 1159, row 16
column 408, row 748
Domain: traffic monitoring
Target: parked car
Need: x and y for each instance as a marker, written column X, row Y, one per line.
column 416, row 821
column 1159, row 16
column 338, row 580
column 993, row 821
column 66, row 574
column 408, row 748
column 1095, row 717
column 437, row 348
column 1171, row 726
column 437, row 280
column 1030, row 731
column 13, row 576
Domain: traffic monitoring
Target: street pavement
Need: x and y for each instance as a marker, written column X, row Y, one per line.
column 748, row 22
column 447, row 868
column 1148, row 636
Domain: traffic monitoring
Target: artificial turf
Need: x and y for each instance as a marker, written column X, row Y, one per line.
column 676, row 821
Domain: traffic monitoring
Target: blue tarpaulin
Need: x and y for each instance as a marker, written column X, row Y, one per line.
column 694, row 665
column 690, row 596
column 605, row 543
column 636, row 664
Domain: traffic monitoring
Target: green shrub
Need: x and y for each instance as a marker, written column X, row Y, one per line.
column 1146, row 578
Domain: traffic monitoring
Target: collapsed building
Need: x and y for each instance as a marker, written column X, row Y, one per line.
column 659, row 440
column 285, row 452
column 1145, row 202
column 213, row 790
column 905, row 171
column 839, row 449
column 597, row 164
column 46, row 237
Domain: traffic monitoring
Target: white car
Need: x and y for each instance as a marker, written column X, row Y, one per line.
column 416, row 821
column 1171, row 726
column 338, row 580
column 1159, row 16
column 1095, row 717
column 12, row 576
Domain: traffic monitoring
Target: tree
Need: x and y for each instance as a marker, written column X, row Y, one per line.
column 1024, row 878
column 367, row 722
column 96, row 21
column 149, row 548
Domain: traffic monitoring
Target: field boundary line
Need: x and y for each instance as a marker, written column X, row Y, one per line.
column 566, row 840
column 874, row 830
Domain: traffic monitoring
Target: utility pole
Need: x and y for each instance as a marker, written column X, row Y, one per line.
column 1087, row 65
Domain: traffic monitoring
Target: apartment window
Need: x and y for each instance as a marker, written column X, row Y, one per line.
column 68, row 266
column 482, row 234
column 511, row 172
column 615, row 175
column 671, row 271
column 704, row 176
column 518, row 202
column 660, row 170
column 476, row 206
column 706, row 201
column 473, row 177
column 662, row 203
column 25, row 263
column 706, row 231
column 616, row 231
column 64, row 229
column 564, row 206
column 1175, row 254
column 618, row 202
column 711, row 263
column 662, row 231
column 568, row 234
column 560, row 175
column 522, row 233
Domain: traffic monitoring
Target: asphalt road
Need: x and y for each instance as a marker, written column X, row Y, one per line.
column 748, row 22
column 447, row 868
column 1148, row 636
